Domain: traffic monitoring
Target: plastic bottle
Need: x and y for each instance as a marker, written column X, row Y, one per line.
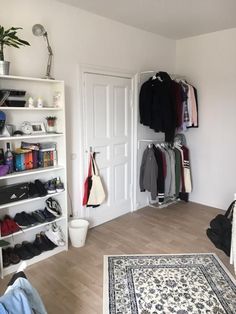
column 9, row 159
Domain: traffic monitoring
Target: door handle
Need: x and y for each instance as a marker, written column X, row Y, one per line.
column 91, row 151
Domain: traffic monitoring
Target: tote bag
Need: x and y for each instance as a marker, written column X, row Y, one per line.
column 97, row 194
column 87, row 183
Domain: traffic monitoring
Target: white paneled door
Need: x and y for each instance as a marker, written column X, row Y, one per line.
column 107, row 102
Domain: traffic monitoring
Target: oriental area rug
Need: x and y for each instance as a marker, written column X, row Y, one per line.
column 163, row 284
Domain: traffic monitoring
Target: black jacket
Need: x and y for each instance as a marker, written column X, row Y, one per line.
column 156, row 105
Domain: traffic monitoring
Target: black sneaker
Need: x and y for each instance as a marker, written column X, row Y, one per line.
column 48, row 216
column 22, row 252
column 38, row 215
column 35, row 251
column 22, row 220
column 48, row 242
column 33, row 192
column 53, row 207
column 31, row 219
column 25, row 220
column 40, row 188
column 40, row 244
column 5, row 258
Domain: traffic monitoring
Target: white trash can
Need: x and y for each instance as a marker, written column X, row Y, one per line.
column 78, row 230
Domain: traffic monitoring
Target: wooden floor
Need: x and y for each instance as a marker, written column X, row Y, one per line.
column 71, row 282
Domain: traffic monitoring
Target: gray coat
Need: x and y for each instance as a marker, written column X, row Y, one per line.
column 149, row 173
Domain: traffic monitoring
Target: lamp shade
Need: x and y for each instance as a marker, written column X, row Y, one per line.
column 38, row 30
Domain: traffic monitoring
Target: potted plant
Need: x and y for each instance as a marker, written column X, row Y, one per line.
column 51, row 121
column 9, row 38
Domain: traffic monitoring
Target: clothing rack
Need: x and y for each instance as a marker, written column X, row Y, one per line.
column 149, row 141
column 169, row 201
column 173, row 76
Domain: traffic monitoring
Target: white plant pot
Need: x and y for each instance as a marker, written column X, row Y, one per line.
column 4, row 67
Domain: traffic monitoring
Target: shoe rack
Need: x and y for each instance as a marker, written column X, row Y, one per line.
column 45, row 89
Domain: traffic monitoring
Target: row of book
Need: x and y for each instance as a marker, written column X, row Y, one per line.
column 31, row 156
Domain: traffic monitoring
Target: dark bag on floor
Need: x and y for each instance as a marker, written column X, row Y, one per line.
column 221, row 229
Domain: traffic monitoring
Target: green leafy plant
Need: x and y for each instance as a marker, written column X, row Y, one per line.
column 9, row 38
column 51, row 118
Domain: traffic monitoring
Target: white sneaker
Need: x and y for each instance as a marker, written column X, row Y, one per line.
column 56, row 235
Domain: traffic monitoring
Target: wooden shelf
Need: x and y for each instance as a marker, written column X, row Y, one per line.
column 26, row 137
column 39, row 225
column 31, row 172
column 29, row 200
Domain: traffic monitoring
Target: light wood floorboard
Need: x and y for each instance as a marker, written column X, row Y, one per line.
column 71, row 282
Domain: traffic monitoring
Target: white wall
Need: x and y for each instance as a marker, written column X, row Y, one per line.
column 210, row 63
column 79, row 37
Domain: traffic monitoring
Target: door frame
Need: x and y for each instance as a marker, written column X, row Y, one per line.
column 133, row 76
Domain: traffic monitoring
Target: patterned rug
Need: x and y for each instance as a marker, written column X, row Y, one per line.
column 154, row 284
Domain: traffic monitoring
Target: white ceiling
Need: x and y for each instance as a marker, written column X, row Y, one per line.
column 171, row 18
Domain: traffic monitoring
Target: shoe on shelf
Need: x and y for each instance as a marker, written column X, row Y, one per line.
column 35, row 251
column 22, row 252
column 38, row 215
column 5, row 258
column 51, row 187
column 31, row 219
column 8, row 226
column 48, row 215
column 33, row 192
column 40, row 244
column 25, row 220
column 14, row 258
column 48, row 242
column 21, row 220
column 56, row 235
column 59, row 185
column 53, row 207
column 40, row 188
column 5, row 230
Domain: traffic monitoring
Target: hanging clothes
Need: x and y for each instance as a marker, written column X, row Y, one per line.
column 165, row 171
column 149, row 173
column 161, row 175
column 156, row 106
column 167, row 105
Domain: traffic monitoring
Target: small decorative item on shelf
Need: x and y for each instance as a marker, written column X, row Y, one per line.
column 38, row 127
column 51, row 124
column 57, row 100
column 30, row 102
column 39, row 103
column 26, row 128
column 8, row 38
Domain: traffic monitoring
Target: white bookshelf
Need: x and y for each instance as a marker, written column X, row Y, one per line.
column 34, row 172
column 45, row 89
column 30, row 137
